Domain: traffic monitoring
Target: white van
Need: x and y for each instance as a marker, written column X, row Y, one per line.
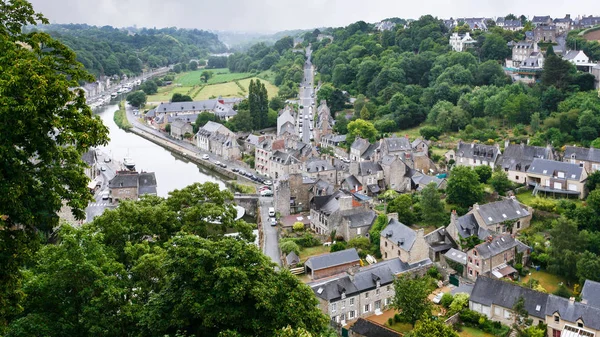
column 271, row 211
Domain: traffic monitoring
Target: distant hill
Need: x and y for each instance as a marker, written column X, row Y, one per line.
column 108, row 51
column 241, row 41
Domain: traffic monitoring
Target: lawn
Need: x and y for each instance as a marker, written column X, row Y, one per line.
column 229, row 89
column 164, row 93
column 272, row 90
column 550, row 282
column 525, row 197
column 473, row 332
column 305, row 253
column 220, row 75
column 401, row 327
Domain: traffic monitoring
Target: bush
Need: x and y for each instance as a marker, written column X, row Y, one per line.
column 298, row 226
column 446, row 300
column 336, row 247
column 390, row 321
column 434, row 273
column 289, row 246
column 397, row 318
column 562, row 291
column 428, row 132
column 543, row 204
column 470, row 317
column 461, row 301
column 307, row 240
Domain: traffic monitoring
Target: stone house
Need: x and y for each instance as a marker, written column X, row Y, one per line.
column 263, row 154
column 362, row 292
column 318, row 168
column 281, row 164
column 473, row 154
column 352, row 184
column 541, row 20
column 370, row 175
column 419, row 181
column 396, row 146
column 494, row 257
column 420, row 145
column 362, row 150
column 521, row 51
column 180, row 128
column 340, row 212
column 545, row 34
column 91, row 160
column 400, row 241
column 332, row 140
column 300, row 192
column 556, row 177
column 517, row 159
column 563, row 25
column 251, row 142
column 589, row 158
column 325, row 265
column 512, row 25
column 563, row 317
column 225, row 146
column 355, row 222
column 286, row 116
column 506, row 216
column 395, row 173
column 204, row 133
column 130, row 185
column 324, row 122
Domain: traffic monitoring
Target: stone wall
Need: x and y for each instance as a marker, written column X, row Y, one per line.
column 249, row 202
column 282, row 197
column 317, row 274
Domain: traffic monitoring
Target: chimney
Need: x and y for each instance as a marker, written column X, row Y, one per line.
column 571, row 300
column 453, row 216
column 345, row 202
column 506, row 143
column 391, row 216
column 476, row 206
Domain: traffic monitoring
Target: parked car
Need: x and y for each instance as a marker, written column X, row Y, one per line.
column 102, row 168
column 271, row 211
column 107, row 159
column 235, row 169
column 266, row 193
column 223, row 165
column 438, row 298
column 264, row 188
column 268, row 182
column 205, row 157
column 104, row 195
column 273, row 221
column 218, row 163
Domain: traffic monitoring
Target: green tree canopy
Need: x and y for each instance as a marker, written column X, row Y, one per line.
column 411, row 298
column 177, row 97
column 137, row 98
column 463, row 188
column 432, row 207
column 361, row 128
column 402, row 205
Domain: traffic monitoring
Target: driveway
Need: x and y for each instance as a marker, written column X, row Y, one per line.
column 270, row 234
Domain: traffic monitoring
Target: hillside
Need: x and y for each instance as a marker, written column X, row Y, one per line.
column 109, row 51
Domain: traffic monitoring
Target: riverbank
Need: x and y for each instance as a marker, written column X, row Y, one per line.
column 120, row 117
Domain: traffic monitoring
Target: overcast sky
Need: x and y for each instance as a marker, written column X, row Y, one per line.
column 278, row 15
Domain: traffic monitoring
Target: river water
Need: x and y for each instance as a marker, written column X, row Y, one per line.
column 172, row 171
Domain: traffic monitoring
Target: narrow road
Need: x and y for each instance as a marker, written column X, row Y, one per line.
column 307, row 93
column 271, row 236
column 98, row 206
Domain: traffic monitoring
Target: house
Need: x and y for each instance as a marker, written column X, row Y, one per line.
column 364, row 292
column 340, row 212
column 370, row 174
column 251, row 142
column 130, row 185
column 366, row 328
column 564, row 24
column 225, row 146
column 395, row 173
column 520, row 52
column 355, row 222
column 318, row 168
column 501, row 217
column 396, row 146
column 324, row 122
column 352, row 184
column 541, row 20
column 460, row 43
column 362, row 150
column 420, row 145
column 285, row 117
column 221, row 108
column 420, row 180
column 204, row 133
column 517, row 159
column 325, row 265
column 385, row 25
column 400, row 241
column 589, row 21
column 283, row 163
column 577, row 57
column 91, row 160
column 545, row 34
column 589, row 158
column 512, row 25
column 473, row 154
column 563, row 317
column 555, row 177
column 493, row 257
column 496, row 299
column 180, row 128
column 332, row 140
column 590, row 293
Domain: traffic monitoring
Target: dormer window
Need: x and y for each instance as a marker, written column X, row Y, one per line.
column 556, row 318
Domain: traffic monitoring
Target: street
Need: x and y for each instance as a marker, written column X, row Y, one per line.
column 307, row 93
column 271, row 236
column 99, row 205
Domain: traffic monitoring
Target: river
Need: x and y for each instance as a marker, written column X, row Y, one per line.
column 172, row 172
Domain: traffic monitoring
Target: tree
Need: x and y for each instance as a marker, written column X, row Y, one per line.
column 43, row 144
column 463, row 188
column 276, row 103
column 593, row 181
column 494, row 48
column 587, row 267
column 365, row 113
column 432, row 208
column 403, row 206
column 361, row 128
column 427, row 327
column 428, row 132
column 137, row 98
column 375, row 232
column 361, row 243
column 484, row 173
column 566, row 244
column 298, row 226
column 336, row 247
column 215, row 286
column 258, row 104
column 500, row 182
column 193, row 65
column 411, row 298
column 177, row 97
column 149, row 87
column 289, row 246
column 206, row 75
column 341, row 124
column 460, row 301
column 557, row 72
column 203, row 118
column 325, row 92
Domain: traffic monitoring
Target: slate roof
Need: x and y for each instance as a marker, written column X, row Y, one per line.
column 123, row 180
column 478, row 151
column 187, row 106
column 359, row 217
column 467, row 226
column 394, row 144
column 422, row 180
column 317, row 165
column 591, row 293
column 456, row 256
column 370, row 151
column 89, row 157
column 488, row 291
column 147, row 183
column 368, row 168
column 367, row 328
column 582, row 153
column 292, row 259
column 334, row 138
column 550, row 168
column 178, row 123
column 571, row 312
column 513, row 23
column 497, row 246
column 519, row 157
column 324, row 187
column 399, row 232
column 540, row 19
column 332, row 259
column 352, row 181
column 284, row 158
column 288, row 128
column 209, row 128
column 500, row 211
column 254, row 139
column 360, row 144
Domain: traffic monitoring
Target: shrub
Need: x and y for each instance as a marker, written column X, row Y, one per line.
column 428, row 132
column 298, row 226
column 543, row 204
column 390, row 321
column 562, row 291
column 434, row 273
column 336, row 247
column 461, row 301
column 470, row 317
column 307, row 240
column 289, row 246
column 397, row 318
column 446, row 300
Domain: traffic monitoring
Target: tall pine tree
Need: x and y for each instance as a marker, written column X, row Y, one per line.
column 258, row 104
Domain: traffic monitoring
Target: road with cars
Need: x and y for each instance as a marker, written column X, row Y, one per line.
column 307, row 99
column 270, row 233
column 108, row 169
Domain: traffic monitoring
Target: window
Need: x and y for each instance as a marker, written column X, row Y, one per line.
column 477, row 263
column 398, row 252
column 343, row 304
column 351, row 314
column 378, row 306
column 377, row 292
column 470, row 271
column 358, row 231
column 367, row 294
column 385, row 254
column 385, row 244
column 366, row 308
column 351, row 301
column 475, row 252
column 580, row 324
column 388, row 301
column 388, row 288
column 517, row 177
column 333, row 307
column 518, row 224
column 470, row 260
column 556, row 319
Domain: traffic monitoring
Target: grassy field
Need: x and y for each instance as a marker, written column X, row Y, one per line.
column 401, row 327
column 164, row 94
column 305, row 253
column 220, row 75
column 473, row 332
column 120, row 117
column 229, row 89
column 550, row 282
column 272, row 90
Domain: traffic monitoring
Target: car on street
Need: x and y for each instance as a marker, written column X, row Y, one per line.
column 271, row 211
column 104, row 195
column 266, row 193
column 223, row 165
column 102, row 168
column 346, row 160
column 235, row 169
column 273, row 221
column 218, row 163
column 268, row 182
column 438, row 298
column 107, row 159
column 205, row 157
column 264, row 188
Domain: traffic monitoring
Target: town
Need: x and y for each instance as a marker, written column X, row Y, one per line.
column 362, row 181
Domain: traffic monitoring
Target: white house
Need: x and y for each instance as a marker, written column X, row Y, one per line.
column 461, row 42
